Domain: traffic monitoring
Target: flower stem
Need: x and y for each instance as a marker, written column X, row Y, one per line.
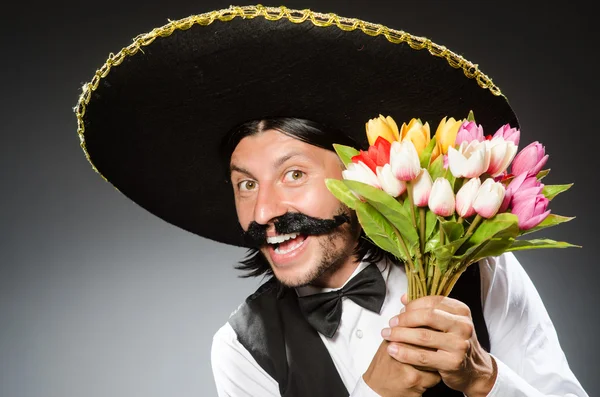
column 409, row 191
column 422, row 227
column 473, row 225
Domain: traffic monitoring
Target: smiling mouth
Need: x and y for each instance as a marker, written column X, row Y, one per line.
column 286, row 243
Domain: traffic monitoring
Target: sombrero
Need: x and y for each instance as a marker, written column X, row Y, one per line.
column 151, row 119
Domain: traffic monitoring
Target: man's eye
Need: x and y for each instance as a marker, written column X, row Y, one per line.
column 294, row 175
column 247, row 185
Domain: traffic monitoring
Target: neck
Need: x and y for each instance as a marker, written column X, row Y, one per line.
column 338, row 276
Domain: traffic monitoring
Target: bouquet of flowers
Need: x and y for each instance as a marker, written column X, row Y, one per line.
column 441, row 203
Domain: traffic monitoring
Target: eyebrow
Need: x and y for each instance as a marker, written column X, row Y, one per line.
column 280, row 161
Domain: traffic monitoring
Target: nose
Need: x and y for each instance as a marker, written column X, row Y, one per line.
column 269, row 205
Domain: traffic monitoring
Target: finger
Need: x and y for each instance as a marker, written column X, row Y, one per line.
column 438, row 360
column 450, row 305
column 437, row 319
column 428, row 338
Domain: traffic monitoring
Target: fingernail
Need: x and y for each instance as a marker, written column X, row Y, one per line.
column 386, row 332
column 394, row 321
column 392, row 349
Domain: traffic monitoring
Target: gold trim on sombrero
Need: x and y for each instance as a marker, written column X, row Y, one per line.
column 273, row 14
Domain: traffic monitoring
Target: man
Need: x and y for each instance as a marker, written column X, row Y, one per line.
column 287, row 85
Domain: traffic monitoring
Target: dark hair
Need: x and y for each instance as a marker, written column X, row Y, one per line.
column 312, row 133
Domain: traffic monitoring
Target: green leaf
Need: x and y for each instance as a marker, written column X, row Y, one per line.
column 436, row 168
column 519, row 245
column 550, row 191
column 389, row 207
column 339, row 189
column 471, row 116
column 345, row 153
column 540, row 175
column 430, row 223
column 445, row 253
column 492, row 247
column 506, row 223
column 432, row 243
column 379, row 230
column 425, row 156
column 551, row 220
column 452, row 230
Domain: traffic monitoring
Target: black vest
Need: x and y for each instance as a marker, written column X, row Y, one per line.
column 272, row 328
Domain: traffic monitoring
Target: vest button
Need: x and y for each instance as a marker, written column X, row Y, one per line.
column 359, row 333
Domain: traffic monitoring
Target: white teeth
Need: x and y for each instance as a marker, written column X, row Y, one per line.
column 279, row 251
column 281, row 238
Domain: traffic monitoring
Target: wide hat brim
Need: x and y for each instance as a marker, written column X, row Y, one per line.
column 152, row 118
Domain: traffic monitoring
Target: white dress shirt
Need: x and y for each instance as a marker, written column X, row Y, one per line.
column 523, row 340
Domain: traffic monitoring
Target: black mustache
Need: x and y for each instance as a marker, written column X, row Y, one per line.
column 293, row 222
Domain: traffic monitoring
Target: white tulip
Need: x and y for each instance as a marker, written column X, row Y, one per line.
column 404, row 160
column 489, row 198
column 389, row 183
column 465, row 197
column 441, row 198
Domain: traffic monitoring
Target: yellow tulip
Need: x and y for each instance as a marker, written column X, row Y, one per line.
column 416, row 132
column 445, row 136
column 384, row 127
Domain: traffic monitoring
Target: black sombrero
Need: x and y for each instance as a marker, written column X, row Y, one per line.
column 151, row 119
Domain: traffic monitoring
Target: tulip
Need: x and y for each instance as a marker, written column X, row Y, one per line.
column 489, row 198
column 531, row 159
column 522, row 182
column 384, row 127
column 441, row 198
column 531, row 211
column 445, row 136
column 465, row 197
column 470, row 160
column 421, row 188
column 469, row 131
column 362, row 173
column 509, row 134
column 416, row 132
column 404, row 160
column 377, row 155
column 501, row 153
column 389, row 183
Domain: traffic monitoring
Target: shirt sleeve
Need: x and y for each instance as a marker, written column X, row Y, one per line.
column 363, row 390
column 236, row 372
column 524, row 343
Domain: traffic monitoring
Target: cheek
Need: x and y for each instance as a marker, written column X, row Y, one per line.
column 244, row 211
column 317, row 201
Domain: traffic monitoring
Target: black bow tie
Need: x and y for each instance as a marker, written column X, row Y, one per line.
column 324, row 311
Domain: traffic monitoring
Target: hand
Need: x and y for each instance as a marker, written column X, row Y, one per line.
column 389, row 377
column 437, row 333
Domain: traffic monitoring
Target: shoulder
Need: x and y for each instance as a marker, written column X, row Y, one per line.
column 504, row 276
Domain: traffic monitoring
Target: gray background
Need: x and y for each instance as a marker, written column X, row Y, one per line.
column 100, row 298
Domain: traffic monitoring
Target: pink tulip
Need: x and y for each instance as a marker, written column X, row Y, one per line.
column 531, row 159
column 441, row 198
column 404, row 160
column 531, row 211
column 389, row 183
column 501, row 153
column 469, row 131
column 362, row 173
column 521, row 182
column 422, row 188
column 509, row 134
column 489, row 198
column 470, row 160
column 466, row 196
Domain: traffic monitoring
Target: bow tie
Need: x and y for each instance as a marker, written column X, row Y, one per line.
column 324, row 311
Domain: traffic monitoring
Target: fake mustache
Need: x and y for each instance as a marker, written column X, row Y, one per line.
column 293, row 222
